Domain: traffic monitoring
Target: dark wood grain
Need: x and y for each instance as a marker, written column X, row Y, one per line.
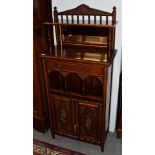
column 85, row 81
column 83, row 11
column 88, row 121
column 78, row 73
column 63, row 115
column 41, row 13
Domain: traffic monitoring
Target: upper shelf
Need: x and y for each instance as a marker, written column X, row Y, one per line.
column 83, row 15
column 84, row 27
column 91, row 24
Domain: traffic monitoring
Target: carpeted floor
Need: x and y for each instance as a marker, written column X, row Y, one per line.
column 113, row 146
column 42, row 148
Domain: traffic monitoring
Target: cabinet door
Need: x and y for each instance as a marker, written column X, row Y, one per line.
column 88, row 121
column 63, row 115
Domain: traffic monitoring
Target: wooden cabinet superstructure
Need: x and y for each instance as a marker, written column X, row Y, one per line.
column 78, row 73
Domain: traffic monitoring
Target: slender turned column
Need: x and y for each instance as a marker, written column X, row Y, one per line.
column 114, row 15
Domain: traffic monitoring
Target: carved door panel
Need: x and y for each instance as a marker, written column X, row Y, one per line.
column 88, row 121
column 63, row 113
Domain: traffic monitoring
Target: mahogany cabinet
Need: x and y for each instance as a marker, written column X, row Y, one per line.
column 78, row 94
column 41, row 13
column 78, row 73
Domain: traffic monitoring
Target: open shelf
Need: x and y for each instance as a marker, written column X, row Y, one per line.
column 92, row 86
column 56, row 81
column 72, row 83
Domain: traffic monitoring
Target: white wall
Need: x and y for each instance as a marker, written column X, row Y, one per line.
column 105, row 5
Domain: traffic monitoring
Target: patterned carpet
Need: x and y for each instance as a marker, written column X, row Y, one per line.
column 42, row 148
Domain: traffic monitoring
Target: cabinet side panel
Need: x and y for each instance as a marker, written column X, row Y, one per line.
column 108, row 98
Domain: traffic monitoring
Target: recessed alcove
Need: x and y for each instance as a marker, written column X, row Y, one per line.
column 73, row 83
column 92, row 86
column 56, row 80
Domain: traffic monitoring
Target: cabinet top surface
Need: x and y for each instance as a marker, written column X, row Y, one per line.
column 91, row 55
column 80, row 23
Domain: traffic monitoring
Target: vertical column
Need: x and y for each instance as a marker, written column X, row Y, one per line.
column 57, row 30
column 114, row 15
column 103, row 110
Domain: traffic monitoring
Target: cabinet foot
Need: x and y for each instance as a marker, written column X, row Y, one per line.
column 102, row 148
column 53, row 135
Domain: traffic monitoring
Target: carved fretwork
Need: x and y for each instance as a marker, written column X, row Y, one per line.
column 63, row 115
column 85, row 10
column 88, row 121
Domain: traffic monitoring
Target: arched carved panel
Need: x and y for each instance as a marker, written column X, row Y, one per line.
column 56, row 80
column 74, row 83
column 92, row 86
